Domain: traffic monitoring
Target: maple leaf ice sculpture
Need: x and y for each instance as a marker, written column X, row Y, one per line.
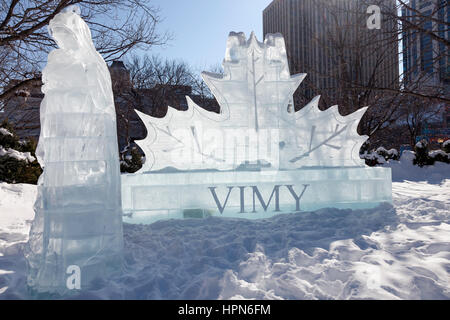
column 255, row 125
column 323, row 138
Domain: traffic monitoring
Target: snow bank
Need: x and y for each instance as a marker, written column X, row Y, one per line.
column 16, row 211
column 399, row 252
column 405, row 170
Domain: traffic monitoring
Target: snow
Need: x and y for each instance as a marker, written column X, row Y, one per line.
column 434, row 153
column 23, row 156
column 390, row 152
column 446, row 143
column 390, row 252
column 16, row 213
column 421, row 144
column 404, row 169
column 5, row 132
column 393, row 152
column 441, row 153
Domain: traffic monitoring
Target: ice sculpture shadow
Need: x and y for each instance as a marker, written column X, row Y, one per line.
column 436, row 174
column 206, row 249
column 405, row 170
column 13, row 276
column 161, row 256
column 436, row 178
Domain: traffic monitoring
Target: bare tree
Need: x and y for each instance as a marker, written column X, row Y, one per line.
column 149, row 71
column 365, row 70
column 160, row 83
column 415, row 117
column 357, row 61
column 151, row 84
column 203, row 95
column 422, row 37
column 166, row 80
column 117, row 26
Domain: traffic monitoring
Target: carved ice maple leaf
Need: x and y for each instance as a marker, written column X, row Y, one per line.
column 253, row 93
column 256, row 86
column 178, row 140
column 323, row 138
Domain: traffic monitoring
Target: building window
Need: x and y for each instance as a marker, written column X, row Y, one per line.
column 424, row 4
column 426, row 47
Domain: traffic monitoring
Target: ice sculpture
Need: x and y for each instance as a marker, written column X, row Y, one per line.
column 322, row 138
column 258, row 157
column 78, row 213
column 254, row 94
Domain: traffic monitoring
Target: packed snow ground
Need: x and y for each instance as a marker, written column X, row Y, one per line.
column 391, row 252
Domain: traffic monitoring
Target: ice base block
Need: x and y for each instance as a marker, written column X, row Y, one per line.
column 147, row 198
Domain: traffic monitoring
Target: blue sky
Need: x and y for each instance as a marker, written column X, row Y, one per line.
column 200, row 27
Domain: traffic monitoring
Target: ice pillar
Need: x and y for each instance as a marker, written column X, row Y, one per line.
column 76, row 235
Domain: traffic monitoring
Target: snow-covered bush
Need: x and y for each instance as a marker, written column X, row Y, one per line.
column 391, row 154
column 18, row 163
column 440, row 155
column 7, row 138
column 446, row 146
column 372, row 158
column 422, row 156
column 378, row 156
